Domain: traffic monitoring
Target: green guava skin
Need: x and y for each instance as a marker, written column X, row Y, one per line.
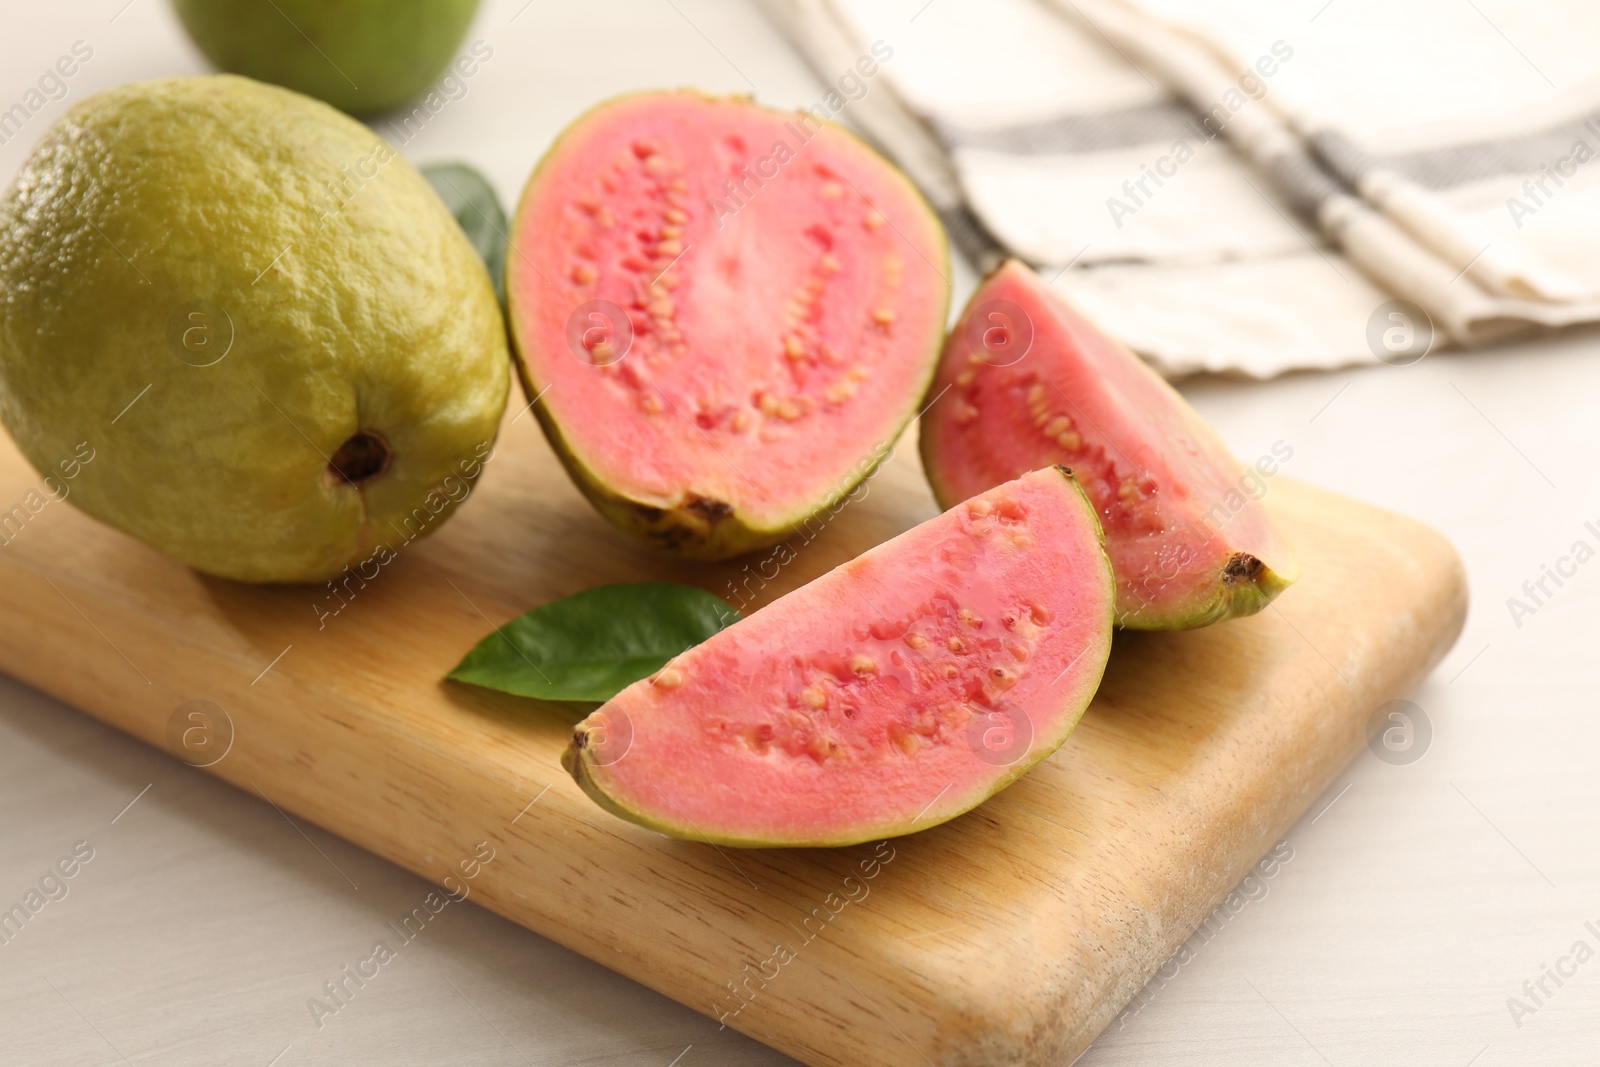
column 354, row 308
column 361, row 56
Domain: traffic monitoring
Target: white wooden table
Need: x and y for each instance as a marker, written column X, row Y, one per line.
column 1418, row 899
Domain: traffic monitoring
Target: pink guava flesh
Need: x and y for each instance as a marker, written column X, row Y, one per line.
column 1025, row 381
column 891, row 694
column 728, row 314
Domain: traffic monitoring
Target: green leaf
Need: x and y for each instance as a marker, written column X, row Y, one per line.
column 593, row 644
column 472, row 200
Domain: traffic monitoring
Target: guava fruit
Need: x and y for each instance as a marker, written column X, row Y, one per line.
column 1025, row 380
column 362, row 56
column 277, row 342
column 727, row 315
column 889, row 695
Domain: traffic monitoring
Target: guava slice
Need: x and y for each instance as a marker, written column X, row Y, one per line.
column 891, row 694
column 1025, row 381
column 727, row 314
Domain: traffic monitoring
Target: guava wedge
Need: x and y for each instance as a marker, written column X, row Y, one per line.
column 1025, row 380
column 727, row 315
column 889, row 695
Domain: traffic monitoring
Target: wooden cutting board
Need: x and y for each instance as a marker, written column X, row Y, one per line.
column 1009, row 936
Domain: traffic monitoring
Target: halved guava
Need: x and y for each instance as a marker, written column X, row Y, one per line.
column 891, row 694
column 1025, row 381
column 727, row 314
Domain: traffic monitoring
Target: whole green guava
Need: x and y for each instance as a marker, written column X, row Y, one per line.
column 363, row 56
column 279, row 347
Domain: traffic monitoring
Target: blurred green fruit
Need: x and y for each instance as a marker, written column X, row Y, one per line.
column 363, row 56
column 280, row 348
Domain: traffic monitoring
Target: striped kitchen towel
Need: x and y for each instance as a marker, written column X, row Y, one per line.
column 1242, row 186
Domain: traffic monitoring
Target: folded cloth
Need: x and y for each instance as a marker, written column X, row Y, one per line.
column 1238, row 186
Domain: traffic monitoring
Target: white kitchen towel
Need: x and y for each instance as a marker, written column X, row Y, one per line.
column 1243, row 186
